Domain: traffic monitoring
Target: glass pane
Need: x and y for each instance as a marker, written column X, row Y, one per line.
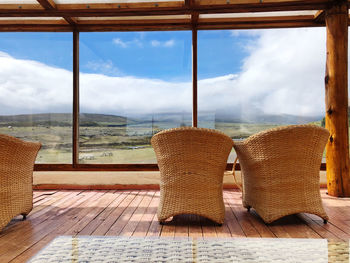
column 253, row 80
column 132, row 85
column 36, row 91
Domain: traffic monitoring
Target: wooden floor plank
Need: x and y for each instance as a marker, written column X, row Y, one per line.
column 34, row 221
column 319, row 229
column 155, row 228
column 195, row 228
column 146, row 220
column 66, row 223
column 96, row 207
column 133, row 213
column 136, row 217
column 181, row 226
column 124, row 218
column 103, row 228
column 52, row 227
column 46, row 203
column 241, row 215
column 106, row 213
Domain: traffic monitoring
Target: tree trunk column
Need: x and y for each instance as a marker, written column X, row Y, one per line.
column 336, row 84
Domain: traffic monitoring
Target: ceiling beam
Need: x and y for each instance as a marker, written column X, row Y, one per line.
column 47, row 4
column 320, row 16
column 187, row 8
column 51, row 5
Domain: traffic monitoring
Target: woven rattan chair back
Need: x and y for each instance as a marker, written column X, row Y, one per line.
column 17, row 159
column 192, row 162
column 281, row 171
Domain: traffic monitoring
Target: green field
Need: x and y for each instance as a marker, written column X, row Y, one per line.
column 106, row 138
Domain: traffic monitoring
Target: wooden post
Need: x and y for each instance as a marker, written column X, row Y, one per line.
column 75, row 139
column 336, row 84
column 194, row 79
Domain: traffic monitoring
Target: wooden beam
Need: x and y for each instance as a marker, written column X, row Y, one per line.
column 51, row 5
column 20, row 7
column 105, row 27
column 161, row 8
column 320, row 16
column 35, row 28
column 75, row 125
column 117, row 167
column 47, row 4
column 96, row 167
column 45, row 22
column 256, row 25
column 194, row 78
column 130, row 22
column 70, row 20
column 336, row 84
column 257, row 19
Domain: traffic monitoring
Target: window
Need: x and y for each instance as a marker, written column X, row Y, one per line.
column 36, row 91
column 253, row 80
column 132, row 85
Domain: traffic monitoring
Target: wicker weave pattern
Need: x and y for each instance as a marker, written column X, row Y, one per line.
column 16, row 177
column 281, row 171
column 191, row 163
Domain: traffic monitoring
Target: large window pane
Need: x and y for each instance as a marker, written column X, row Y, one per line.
column 255, row 80
column 132, row 85
column 36, row 91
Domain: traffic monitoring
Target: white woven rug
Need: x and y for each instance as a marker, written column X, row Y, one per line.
column 119, row 249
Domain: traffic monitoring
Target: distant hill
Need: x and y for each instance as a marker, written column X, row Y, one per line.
column 267, row 119
column 63, row 119
column 89, row 119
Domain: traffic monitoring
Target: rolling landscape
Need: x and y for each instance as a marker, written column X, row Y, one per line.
column 119, row 139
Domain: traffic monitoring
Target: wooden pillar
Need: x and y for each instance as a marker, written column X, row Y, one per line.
column 336, row 84
column 194, row 79
column 75, row 139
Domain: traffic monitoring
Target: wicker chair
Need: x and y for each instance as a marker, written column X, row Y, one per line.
column 281, row 171
column 16, row 177
column 192, row 162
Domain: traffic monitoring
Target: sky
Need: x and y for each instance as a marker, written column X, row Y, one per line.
column 244, row 72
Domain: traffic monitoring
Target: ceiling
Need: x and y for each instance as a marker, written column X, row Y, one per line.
column 136, row 15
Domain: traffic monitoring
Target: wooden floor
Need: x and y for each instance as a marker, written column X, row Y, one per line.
column 133, row 213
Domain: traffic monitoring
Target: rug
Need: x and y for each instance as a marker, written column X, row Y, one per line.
column 98, row 249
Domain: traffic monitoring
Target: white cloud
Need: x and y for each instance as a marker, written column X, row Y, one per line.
column 103, row 67
column 119, row 42
column 282, row 74
column 155, row 43
column 126, row 44
column 168, row 43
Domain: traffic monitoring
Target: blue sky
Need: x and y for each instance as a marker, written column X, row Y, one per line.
column 241, row 72
column 159, row 55
column 53, row 49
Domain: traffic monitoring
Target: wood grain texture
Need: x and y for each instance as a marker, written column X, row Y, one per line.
column 75, row 110
column 336, row 84
column 72, row 12
column 133, row 213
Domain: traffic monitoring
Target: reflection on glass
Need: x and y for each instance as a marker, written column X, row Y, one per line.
column 132, row 85
column 256, row 80
column 36, row 91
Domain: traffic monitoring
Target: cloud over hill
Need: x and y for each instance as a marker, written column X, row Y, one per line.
column 282, row 74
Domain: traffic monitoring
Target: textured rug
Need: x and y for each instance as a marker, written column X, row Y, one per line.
column 119, row 249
